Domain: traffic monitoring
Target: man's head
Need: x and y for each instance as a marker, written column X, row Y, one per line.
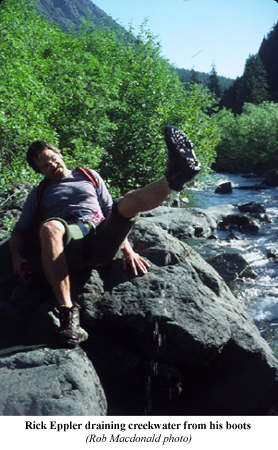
column 46, row 159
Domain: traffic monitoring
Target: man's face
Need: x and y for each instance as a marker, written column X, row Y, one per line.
column 51, row 165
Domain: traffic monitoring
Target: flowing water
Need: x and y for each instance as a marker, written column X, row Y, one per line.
column 260, row 295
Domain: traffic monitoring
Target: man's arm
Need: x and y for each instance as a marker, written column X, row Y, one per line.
column 130, row 257
column 16, row 244
column 133, row 259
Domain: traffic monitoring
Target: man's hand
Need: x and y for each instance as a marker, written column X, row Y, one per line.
column 133, row 259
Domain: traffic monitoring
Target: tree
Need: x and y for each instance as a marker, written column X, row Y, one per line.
column 267, row 52
column 253, row 87
column 194, row 77
column 213, row 84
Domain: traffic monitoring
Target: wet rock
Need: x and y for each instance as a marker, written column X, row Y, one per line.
column 248, row 272
column 224, row 188
column 252, row 187
column 272, row 178
column 252, row 208
column 246, row 218
column 231, row 266
column 244, row 223
column 272, row 253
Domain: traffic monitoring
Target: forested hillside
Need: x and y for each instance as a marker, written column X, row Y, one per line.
column 101, row 99
column 188, row 76
column 259, row 81
column 70, row 14
column 268, row 53
column 249, row 127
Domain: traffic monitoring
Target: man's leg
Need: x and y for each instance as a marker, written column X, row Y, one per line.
column 56, row 270
column 182, row 166
column 144, row 199
column 54, row 261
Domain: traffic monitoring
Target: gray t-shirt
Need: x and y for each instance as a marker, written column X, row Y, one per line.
column 61, row 198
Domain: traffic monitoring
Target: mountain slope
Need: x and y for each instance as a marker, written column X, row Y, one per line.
column 69, row 13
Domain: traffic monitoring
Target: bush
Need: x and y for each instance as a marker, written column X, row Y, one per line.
column 249, row 140
column 101, row 97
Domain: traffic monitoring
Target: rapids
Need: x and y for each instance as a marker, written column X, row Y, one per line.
column 260, row 295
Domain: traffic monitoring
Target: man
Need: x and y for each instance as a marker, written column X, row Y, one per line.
column 82, row 227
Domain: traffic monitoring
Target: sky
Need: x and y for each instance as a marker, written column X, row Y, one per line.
column 200, row 33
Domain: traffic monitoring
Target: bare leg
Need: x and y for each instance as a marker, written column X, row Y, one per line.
column 54, row 261
column 144, row 199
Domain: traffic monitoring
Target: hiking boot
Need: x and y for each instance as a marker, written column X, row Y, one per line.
column 70, row 333
column 182, row 163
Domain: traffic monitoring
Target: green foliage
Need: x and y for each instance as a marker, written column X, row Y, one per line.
column 101, row 96
column 249, row 140
column 149, row 95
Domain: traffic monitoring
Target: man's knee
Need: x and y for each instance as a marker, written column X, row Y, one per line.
column 52, row 230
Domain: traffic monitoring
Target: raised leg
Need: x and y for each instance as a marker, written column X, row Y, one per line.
column 144, row 199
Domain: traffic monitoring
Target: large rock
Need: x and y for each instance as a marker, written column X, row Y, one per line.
column 174, row 341
column 48, row 382
column 181, row 331
column 231, row 266
column 271, row 178
column 189, row 222
column 224, row 188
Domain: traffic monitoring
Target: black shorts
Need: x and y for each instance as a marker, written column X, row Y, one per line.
column 100, row 245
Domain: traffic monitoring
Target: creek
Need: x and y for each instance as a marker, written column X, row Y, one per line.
column 259, row 296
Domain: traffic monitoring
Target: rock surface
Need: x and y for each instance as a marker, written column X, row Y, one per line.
column 48, row 382
column 189, row 222
column 231, row 266
column 174, row 341
column 272, row 178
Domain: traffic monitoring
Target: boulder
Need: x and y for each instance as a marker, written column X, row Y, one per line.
column 49, row 382
column 246, row 218
column 224, row 188
column 189, row 222
column 271, row 178
column 172, row 342
column 231, row 266
column 252, row 208
column 272, row 253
